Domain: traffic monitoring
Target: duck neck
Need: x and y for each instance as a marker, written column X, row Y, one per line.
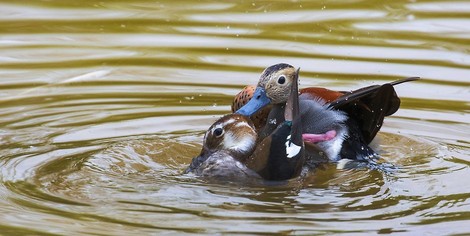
column 275, row 118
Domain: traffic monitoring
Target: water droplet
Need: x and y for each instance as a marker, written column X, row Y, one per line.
column 228, row 27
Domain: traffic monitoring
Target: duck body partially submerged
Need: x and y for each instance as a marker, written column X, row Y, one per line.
column 274, row 131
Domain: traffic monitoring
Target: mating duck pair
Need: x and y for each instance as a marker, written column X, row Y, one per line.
column 287, row 130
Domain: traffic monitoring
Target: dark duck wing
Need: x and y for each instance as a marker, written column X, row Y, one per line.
column 368, row 106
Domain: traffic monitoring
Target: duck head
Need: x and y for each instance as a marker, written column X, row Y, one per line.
column 274, row 87
column 234, row 133
column 227, row 143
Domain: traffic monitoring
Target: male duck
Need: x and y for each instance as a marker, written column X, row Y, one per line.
column 341, row 124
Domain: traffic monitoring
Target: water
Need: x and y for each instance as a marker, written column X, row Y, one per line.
column 104, row 103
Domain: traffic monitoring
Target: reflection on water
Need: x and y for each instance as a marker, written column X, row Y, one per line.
column 103, row 105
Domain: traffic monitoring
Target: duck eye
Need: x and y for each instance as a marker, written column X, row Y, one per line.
column 281, row 79
column 218, row 132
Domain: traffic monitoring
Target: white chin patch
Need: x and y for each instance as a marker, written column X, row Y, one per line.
column 291, row 148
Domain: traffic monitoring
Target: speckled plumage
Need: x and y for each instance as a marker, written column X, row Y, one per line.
column 258, row 119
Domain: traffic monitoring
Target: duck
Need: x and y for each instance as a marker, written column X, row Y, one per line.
column 227, row 144
column 232, row 148
column 281, row 155
column 340, row 125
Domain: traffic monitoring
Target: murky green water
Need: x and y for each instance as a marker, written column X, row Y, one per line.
column 104, row 103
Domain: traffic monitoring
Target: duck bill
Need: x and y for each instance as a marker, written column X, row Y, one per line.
column 292, row 111
column 196, row 162
column 258, row 101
